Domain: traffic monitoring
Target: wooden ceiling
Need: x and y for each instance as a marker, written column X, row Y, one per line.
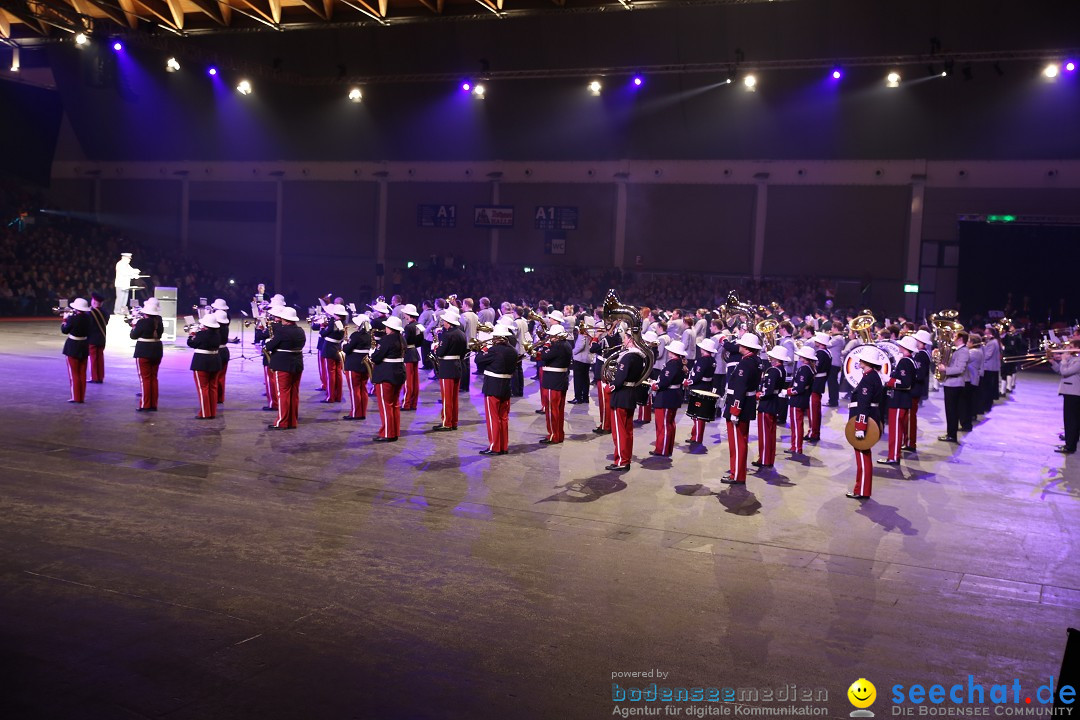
column 45, row 18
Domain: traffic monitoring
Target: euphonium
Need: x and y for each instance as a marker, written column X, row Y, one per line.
column 945, row 328
column 614, row 312
column 861, row 326
column 766, row 330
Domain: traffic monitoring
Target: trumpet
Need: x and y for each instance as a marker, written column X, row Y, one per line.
column 135, row 316
column 63, row 312
column 192, row 328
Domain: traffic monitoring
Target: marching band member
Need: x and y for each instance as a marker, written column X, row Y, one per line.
column 824, row 366
column 520, row 331
column 785, row 340
column 555, row 360
column 358, row 349
column 802, row 384
column 601, row 347
column 448, row 353
column 77, row 349
column 497, row 364
column 969, row 404
column 953, row 385
column 582, row 360
column 900, row 384
column 332, row 334
column 99, row 320
column 388, row 377
column 622, row 393
column 414, row 336
column 644, row 395
column 703, row 377
column 667, row 398
column 1012, row 345
column 768, row 406
column 1068, row 366
column 429, row 322
column 206, row 364
column 223, row 350
column 287, row 365
column 147, row 334
column 741, row 405
column 469, row 321
column 379, row 311
column 864, row 407
column 836, row 357
column 991, row 379
column 270, row 323
column 920, row 388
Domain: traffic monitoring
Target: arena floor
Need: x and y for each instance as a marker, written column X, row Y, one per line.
column 159, row 567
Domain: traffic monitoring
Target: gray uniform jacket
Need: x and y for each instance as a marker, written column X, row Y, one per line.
column 1069, row 369
column 957, row 368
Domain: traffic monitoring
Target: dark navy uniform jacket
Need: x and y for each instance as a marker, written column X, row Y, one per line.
column 286, row 348
column 99, row 320
column 772, row 382
column 331, row 338
column 558, row 355
column 669, row 390
column 223, row 347
column 389, row 359
column 702, row 374
column 627, row 376
column 497, row 363
column 921, row 387
column 205, row 343
column 599, row 348
column 77, row 328
column 452, row 346
column 147, row 336
column 356, row 349
column 900, row 384
column 742, row 385
column 801, row 387
column 413, row 334
column 866, row 400
column 821, row 377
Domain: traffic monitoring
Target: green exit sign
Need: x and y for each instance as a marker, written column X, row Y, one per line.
column 1000, row 218
column 909, row 288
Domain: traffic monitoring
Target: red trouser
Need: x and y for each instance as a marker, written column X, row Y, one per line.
column 766, row 438
column 412, row 386
column 665, row 431
column 644, row 412
column 288, row 393
column 97, row 363
column 864, row 473
column 603, row 401
column 912, row 427
column 898, row 419
column 621, row 421
column 322, row 372
column 389, row 409
column 148, row 384
column 358, row 396
column 543, row 391
column 332, row 368
column 77, row 377
column 738, row 437
column 206, row 387
column 815, row 414
column 797, row 420
column 498, row 422
column 555, row 414
column 221, row 382
column 698, row 433
column 271, row 387
column 448, row 389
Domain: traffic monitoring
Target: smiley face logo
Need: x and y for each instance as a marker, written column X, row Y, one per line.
column 862, row 693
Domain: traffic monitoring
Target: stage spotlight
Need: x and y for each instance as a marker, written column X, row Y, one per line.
column 750, row 83
column 172, row 64
column 893, row 79
column 594, row 87
column 355, row 95
column 836, row 74
column 466, row 86
column 1051, row 70
column 243, row 87
column 212, row 71
column 117, row 46
column 638, row 80
column 479, row 91
column 1070, row 66
column 81, row 39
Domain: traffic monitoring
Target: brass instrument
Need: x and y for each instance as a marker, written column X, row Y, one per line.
column 1045, row 353
column 862, row 326
column 766, row 330
column 731, row 311
column 615, row 312
column 480, row 345
column 64, row 312
column 135, row 316
column 945, row 327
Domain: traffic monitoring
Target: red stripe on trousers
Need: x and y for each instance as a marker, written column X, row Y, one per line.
column 449, row 388
column 333, row 379
column 645, row 412
column 389, row 409
column 97, row 363
column 498, row 422
column 603, row 402
column 622, row 434
column 897, row 423
column 555, row 414
column 271, row 387
column 206, row 387
column 665, row 431
column 288, row 388
column 77, row 377
column 738, row 441
column 815, row 414
column 412, row 386
column 798, row 424
column 148, row 382
column 766, row 430
column 864, row 473
column 358, row 395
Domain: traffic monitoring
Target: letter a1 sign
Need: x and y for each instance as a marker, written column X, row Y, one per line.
column 555, row 217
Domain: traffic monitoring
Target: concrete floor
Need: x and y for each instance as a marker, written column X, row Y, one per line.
column 155, row 566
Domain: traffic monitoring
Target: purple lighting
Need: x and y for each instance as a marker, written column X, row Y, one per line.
column 836, row 74
column 1070, row 66
column 212, row 71
column 638, row 80
column 117, row 46
column 466, row 87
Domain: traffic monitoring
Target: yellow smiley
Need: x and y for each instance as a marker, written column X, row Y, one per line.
column 862, row 693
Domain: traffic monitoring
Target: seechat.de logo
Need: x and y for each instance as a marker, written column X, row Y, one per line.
column 862, row 694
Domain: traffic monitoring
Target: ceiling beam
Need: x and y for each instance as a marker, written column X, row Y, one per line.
column 5, row 25
column 316, row 7
column 361, row 6
column 263, row 9
column 111, row 11
column 129, row 12
column 433, row 7
column 212, row 9
column 275, row 11
column 161, row 10
column 177, row 13
column 23, row 14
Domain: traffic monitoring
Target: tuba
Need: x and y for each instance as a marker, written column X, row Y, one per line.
column 861, row 325
column 766, row 330
column 945, row 327
column 615, row 312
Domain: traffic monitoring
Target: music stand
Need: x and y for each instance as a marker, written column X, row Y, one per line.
column 243, row 347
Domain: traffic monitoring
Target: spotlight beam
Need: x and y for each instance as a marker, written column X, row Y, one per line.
column 488, row 4
column 362, row 7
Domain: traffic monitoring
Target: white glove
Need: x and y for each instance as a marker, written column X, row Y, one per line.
column 860, row 434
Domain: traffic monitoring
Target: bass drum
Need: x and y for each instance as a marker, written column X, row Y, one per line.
column 853, row 371
column 702, row 405
column 891, row 349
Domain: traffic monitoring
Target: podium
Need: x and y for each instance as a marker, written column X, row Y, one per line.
column 166, row 297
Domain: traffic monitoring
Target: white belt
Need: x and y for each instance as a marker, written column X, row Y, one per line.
column 206, row 352
column 497, row 375
column 400, row 360
column 704, row 379
column 448, row 357
column 732, row 392
column 817, row 375
column 555, row 369
column 629, row 385
column 328, row 340
column 410, row 347
column 75, row 337
column 284, row 350
column 852, row 406
column 147, row 340
column 362, row 352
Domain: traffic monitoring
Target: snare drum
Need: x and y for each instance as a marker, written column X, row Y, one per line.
column 702, row 405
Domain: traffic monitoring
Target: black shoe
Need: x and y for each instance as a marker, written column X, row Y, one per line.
column 545, row 441
column 540, row 411
column 811, row 438
column 572, row 402
column 1061, row 437
column 853, row 496
column 274, row 427
column 732, row 481
column 489, row 452
column 320, row 389
column 267, row 407
column 1064, row 450
column 383, row 439
column 947, row 438
column 153, row 409
column 350, row 417
column 886, row 461
column 142, row 409
column 601, row 431
column 441, row 428
column 617, row 468
column 324, row 401
column 756, row 463
column 909, row 448
column 765, row 467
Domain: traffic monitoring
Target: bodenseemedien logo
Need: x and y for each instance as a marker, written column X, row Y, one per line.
column 862, row 694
